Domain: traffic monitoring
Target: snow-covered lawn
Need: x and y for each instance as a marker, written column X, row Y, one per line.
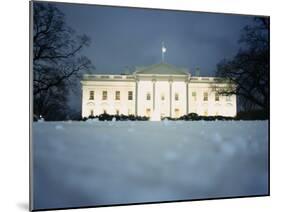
column 98, row 163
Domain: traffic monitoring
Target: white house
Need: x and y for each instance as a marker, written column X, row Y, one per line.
column 160, row 90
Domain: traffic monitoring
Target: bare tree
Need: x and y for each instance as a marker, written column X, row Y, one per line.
column 249, row 69
column 57, row 63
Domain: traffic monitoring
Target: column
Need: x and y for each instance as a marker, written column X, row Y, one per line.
column 136, row 97
column 153, row 81
column 186, row 83
column 171, row 98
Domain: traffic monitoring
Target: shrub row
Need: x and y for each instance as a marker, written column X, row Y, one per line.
column 190, row 117
column 108, row 117
column 196, row 117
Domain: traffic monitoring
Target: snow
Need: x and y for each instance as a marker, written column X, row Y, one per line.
column 92, row 120
column 98, row 163
column 41, row 119
column 59, row 127
column 166, row 122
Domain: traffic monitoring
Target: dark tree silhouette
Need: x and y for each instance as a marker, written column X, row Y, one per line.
column 249, row 69
column 57, row 63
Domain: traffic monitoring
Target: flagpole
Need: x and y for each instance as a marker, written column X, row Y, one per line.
column 163, row 49
column 162, row 52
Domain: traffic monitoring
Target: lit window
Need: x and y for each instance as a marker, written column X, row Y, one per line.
column 92, row 95
column 117, row 95
column 177, row 112
column 130, row 95
column 205, row 96
column 148, row 97
column 148, row 111
column 194, row 95
column 104, row 95
column 217, row 97
column 228, row 98
column 176, row 97
column 162, row 97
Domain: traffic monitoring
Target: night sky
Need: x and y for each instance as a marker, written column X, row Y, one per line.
column 127, row 37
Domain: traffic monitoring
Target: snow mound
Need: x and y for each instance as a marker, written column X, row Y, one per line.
column 92, row 120
column 132, row 162
column 59, row 127
column 166, row 122
column 130, row 130
column 171, row 156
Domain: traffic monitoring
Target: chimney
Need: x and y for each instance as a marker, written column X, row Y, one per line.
column 197, row 72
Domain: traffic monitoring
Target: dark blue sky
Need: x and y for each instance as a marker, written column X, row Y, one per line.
column 132, row 37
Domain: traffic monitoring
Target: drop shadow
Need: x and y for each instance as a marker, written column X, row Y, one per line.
column 23, row 206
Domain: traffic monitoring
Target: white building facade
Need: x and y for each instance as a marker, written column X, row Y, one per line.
column 161, row 90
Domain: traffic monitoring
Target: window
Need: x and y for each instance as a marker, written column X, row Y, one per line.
column 104, row 111
column 177, row 112
column 130, row 95
column 91, row 113
column 217, row 97
column 176, row 97
column 162, row 97
column 194, row 95
column 228, row 98
column 104, row 95
column 205, row 98
column 117, row 112
column 206, row 113
column 148, row 97
column 148, row 111
column 92, row 95
column 117, row 95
